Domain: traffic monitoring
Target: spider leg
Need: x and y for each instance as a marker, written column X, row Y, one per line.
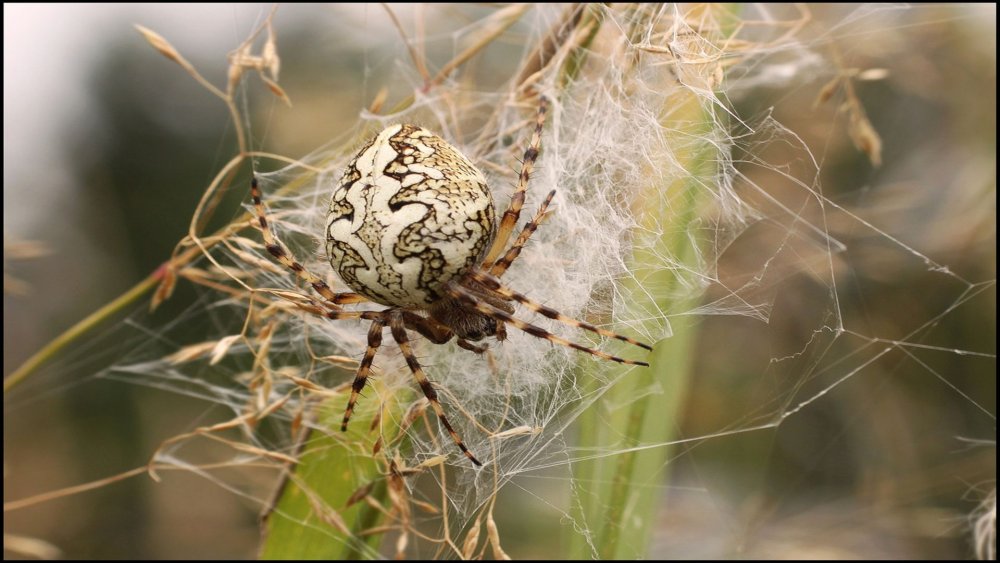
column 431, row 330
column 318, row 309
column 509, row 219
column 285, row 257
column 374, row 341
column 348, row 297
column 485, row 308
column 396, row 324
column 463, row 343
column 437, row 332
column 494, row 284
column 512, row 253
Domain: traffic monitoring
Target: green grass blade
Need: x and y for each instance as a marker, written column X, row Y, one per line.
column 617, row 495
column 310, row 519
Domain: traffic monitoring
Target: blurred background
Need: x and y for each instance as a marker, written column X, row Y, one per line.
column 108, row 147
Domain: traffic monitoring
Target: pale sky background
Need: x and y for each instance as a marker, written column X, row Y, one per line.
column 48, row 49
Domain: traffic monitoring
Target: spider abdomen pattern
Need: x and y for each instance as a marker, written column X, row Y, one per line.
column 409, row 215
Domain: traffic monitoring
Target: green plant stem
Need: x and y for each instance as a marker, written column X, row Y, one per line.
column 79, row 329
column 618, row 495
column 332, row 467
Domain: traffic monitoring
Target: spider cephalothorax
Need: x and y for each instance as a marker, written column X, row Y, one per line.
column 412, row 226
column 465, row 321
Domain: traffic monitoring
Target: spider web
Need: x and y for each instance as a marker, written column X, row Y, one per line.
column 679, row 205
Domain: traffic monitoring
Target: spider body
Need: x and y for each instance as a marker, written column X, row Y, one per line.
column 409, row 215
column 412, row 226
column 467, row 323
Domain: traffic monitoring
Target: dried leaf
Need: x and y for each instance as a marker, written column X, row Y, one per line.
column 259, row 263
column 827, row 92
column 262, row 452
column 233, row 75
column 873, row 74
column 518, row 431
column 415, row 411
column 359, row 494
column 339, row 360
column 426, row 506
column 292, row 374
column 198, row 275
column 472, row 539
column 222, row 347
column 494, row 535
column 270, row 54
column 866, row 138
column 432, row 462
column 264, row 337
column 655, row 49
column 188, row 353
column 379, row 101
column 165, row 288
column 401, row 546
column 248, row 242
column 329, row 515
column 161, row 44
column 276, row 90
column 230, row 271
column 167, row 50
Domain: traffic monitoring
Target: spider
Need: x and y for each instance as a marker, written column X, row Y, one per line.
column 412, row 226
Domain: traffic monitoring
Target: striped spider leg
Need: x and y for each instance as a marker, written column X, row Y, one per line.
column 510, row 216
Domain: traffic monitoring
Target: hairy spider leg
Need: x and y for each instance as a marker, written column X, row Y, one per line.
column 374, row 341
column 285, row 257
column 514, row 251
column 437, row 332
column 485, row 308
column 463, row 343
column 396, row 325
column 509, row 219
column 494, row 284
column 398, row 321
column 320, row 311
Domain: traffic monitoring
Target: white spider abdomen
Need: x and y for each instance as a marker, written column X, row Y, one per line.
column 410, row 214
